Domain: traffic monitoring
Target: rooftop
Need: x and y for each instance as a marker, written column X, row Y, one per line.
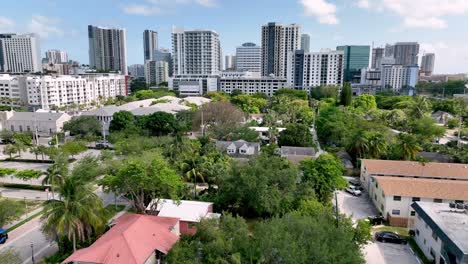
column 297, row 151
column 132, row 240
column 453, row 223
column 38, row 116
column 423, row 188
column 190, row 211
column 416, row 169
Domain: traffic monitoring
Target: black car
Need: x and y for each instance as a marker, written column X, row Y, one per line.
column 389, row 237
column 375, row 219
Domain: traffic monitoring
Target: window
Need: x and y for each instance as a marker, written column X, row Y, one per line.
column 375, row 197
column 437, row 200
column 396, row 198
column 458, row 201
column 243, row 151
column 432, row 253
column 434, row 236
column 413, row 213
column 417, row 232
column 416, row 199
column 395, row 212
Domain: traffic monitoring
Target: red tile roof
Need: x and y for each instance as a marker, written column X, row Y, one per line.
column 131, row 241
column 418, row 169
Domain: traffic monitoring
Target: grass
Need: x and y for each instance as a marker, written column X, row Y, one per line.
column 418, row 251
column 112, row 210
column 24, row 221
column 19, row 207
column 402, row 231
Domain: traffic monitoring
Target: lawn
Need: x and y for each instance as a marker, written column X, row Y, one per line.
column 15, row 208
column 112, row 210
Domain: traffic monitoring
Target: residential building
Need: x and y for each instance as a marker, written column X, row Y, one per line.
column 377, row 55
column 405, row 53
column 264, row 132
column 193, row 85
column 44, row 123
column 427, row 64
column 355, row 59
column 136, row 70
column 196, row 52
column 20, row 53
column 239, row 148
column 150, row 72
column 307, row 70
column 441, row 117
column 164, row 55
column 47, row 91
column 57, row 68
column 107, row 49
column 305, row 43
column 150, row 44
column 56, row 56
column 249, row 57
column 277, row 42
column 396, row 77
column 441, row 232
column 156, row 72
column 189, row 212
column 250, row 83
column 135, row 238
column 229, row 62
column 296, row 154
column 394, row 185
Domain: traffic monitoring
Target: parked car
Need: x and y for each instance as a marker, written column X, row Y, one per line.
column 3, row 236
column 353, row 190
column 103, row 144
column 375, row 219
column 389, row 237
column 354, row 182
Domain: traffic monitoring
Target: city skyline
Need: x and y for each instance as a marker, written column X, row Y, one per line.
column 343, row 22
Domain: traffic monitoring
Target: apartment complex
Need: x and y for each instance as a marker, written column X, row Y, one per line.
column 355, row 59
column 229, row 62
column 249, row 84
column 107, row 49
column 20, row 53
column 196, row 52
column 394, row 185
column 397, row 77
column 249, row 57
column 193, row 85
column 137, row 70
column 305, row 43
column 156, row 72
column 306, row 70
column 164, row 55
column 427, row 64
column 404, row 53
column 277, row 42
column 47, row 92
column 150, row 44
column 377, row 55
column 56, row 56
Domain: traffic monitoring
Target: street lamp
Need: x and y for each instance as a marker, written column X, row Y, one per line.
column 32, row 253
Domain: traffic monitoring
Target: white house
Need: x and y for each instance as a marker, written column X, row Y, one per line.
column 45, row 123
column 239, row 148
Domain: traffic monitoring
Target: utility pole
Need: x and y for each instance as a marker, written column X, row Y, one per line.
column 337, row 213
column 32, row 253
column 202, row 121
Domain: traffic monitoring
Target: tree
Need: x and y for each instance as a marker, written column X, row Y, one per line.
column 292, row 93
column 236, row 133
column 74, row 147
column 159, row 123
column 420, row 107
column 346, row 95
column 453, row 123
column 23, row 138
column 249, row 103
column 325, row 175
column 55, row 173
column 28, row 174
column 122, row 120
column 218, row 96
column 425, row 128
column 408, row 146
column 7, row 211
column 217, row 114
column 365, row 102
column 138, row 84
column 144, row 178
column 377, row 144
column 83, row 126
column 327, row 91
column 78, row 215
column 296, row 135
column 10, row 149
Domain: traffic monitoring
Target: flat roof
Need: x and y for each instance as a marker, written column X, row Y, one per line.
column 191, row 211
column 416, row 169
column 451, row 222
column 36, row 116
column 423, row 188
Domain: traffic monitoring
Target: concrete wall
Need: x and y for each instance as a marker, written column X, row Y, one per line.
column 425, row 240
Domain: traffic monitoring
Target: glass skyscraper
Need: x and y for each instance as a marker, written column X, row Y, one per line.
column 355, row 58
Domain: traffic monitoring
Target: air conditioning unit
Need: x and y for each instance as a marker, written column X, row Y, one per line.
column 452, row 205
column 460, row 206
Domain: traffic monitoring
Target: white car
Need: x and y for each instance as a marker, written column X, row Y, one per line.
column 353, row 190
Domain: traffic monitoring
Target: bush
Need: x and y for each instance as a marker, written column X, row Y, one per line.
column 453, row 123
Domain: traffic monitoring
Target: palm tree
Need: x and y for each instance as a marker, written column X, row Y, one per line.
column 360, row 144
column 192, row 169
column 78, row 215
column 377, row 144
column 421, row 106
column 55, row 174
column 408, row 146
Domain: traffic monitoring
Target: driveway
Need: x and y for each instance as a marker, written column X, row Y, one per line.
column 357, row 207
column 386, row 253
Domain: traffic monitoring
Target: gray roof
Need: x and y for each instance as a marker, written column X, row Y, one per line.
column 296, row 151
column 108, row 110
column 32, row 116
column 237, row 143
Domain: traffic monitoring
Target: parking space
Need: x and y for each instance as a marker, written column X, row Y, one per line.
column 357, row 207
column 386, row 253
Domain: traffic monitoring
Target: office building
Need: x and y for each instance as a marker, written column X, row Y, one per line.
column 136, row 70
column 156, row 72
column 195, row 52
column 56, row 56
column 249, row 57
column 193, row 85
column 20, row 53
column 307, row 70
column 250, row 83
column 441, row 233
column 305, row 43
column 107, row 49
column 49, row 92
column 229, row 62
column 377, row 55
column 427, row 64
column 355, row 59
column 405, row 53
column 394, row 185
column 277, row 42
column 164, row 55
column 150, row 44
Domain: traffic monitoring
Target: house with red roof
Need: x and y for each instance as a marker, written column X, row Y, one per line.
column 134, row 239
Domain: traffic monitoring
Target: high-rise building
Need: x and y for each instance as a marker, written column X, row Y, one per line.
column 164, row 55
column 355, row 59
column 405, row 53
column 427, row 64
column 377, row 55
column 397, row 77
column 196, row 52
column 249, row 57
column 56, row 56
column 137, row 70
column 156, row 72
column 20, row 53
column 107, row 49
column 277, row 42
column 229, row 62
column 150, row 44
column 307, row 70
column 305, row 43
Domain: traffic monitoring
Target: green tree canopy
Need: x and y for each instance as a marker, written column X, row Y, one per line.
column 249, row 103
column 83, row 126
column 159, row 123
column 346, row 95
column 296, row 135
column 365, row 102
column 292, row 93
column 122, row 120
column 73, row 147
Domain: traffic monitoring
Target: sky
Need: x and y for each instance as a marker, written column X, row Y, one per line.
column 440, row 26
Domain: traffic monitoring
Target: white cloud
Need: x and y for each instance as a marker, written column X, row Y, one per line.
column 154, row 7
column 324, row 11
column 419, row 13
column 45, row 26
column 6, row 24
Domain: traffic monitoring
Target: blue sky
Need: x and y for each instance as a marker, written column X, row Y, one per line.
column 439, row 25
